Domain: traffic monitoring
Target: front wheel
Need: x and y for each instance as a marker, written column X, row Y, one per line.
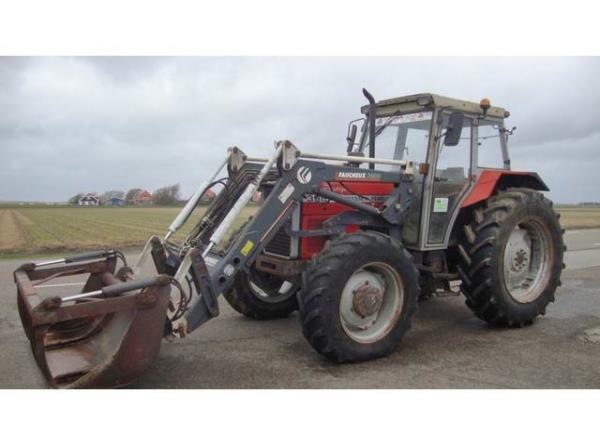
column 358, row 296
column 260, row 295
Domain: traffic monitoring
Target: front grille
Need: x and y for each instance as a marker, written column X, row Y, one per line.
column 280, row 244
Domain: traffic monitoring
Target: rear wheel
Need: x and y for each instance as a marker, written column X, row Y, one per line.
column 513, row 258
column 261, row 295
column 358, row 296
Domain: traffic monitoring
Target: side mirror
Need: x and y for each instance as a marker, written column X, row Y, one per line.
column 351, row 137
column 454, row 129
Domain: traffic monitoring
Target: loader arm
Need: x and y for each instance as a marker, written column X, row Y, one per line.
column 299, row 176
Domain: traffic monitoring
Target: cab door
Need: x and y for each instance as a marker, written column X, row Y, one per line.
column 450, row 179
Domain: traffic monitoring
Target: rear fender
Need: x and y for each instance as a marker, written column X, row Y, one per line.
column 489, row 181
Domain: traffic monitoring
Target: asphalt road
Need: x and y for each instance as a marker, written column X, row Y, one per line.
column 446, row 348
column 583, row 248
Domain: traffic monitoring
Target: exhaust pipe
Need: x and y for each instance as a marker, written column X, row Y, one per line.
column 371, row 116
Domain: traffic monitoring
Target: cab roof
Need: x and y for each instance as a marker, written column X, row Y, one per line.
column 423, row 101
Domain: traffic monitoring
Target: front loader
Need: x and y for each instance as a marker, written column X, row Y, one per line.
column 422, row 203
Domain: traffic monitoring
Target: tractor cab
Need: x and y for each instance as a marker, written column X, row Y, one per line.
column 450, row 141
column 426, row 121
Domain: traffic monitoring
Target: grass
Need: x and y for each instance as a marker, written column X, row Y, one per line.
column 579, row 217
column 30, row 230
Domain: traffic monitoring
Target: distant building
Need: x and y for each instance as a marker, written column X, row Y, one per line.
column 142, row 197
column 113, row 198
column 208, row 196
column 257, row 197
column 115, row 201
column 89, row 200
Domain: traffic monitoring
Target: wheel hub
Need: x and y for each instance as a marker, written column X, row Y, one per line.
column 519, row 251
column 520, row 260
column 526, row 261
column 367, row 300
column 371, row 302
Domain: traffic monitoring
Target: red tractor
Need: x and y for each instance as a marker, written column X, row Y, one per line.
column 436, row 206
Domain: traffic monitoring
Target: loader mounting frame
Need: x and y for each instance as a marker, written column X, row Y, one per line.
column 297, row 175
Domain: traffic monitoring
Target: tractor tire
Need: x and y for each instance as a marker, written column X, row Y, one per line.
column 259, row 295
column 512, row 258
column 358, row 296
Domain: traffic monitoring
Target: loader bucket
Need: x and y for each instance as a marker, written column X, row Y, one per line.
column 104, row 337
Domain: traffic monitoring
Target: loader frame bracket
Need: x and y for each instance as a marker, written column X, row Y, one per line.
column 207, row 306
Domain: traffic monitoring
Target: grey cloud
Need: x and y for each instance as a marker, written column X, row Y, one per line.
column 77, row 124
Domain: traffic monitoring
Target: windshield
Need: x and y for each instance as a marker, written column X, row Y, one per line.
column 401, row 137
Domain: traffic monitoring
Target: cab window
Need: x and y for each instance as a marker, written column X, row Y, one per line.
column 489, row 146
column 452, row 172
column 401, row 137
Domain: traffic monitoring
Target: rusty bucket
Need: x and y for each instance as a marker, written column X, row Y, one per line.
column 103, row 337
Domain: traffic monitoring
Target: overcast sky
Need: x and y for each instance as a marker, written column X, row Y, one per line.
column 70, row 125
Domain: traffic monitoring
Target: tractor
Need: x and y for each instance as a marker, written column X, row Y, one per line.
column 423, row 202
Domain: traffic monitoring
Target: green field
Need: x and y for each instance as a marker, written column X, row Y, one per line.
column 26, row 230
column 579, row 217
column 29, row 230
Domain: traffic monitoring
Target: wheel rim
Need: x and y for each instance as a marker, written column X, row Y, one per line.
column 269, row 292
column 371, row 302
column 528, row 256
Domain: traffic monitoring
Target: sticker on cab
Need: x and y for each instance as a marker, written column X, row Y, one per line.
column 247, row 248
column 403, row 119
column 440, row 205
column 286, row 192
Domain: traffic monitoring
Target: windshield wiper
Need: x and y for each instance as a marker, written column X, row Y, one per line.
column 385, row 124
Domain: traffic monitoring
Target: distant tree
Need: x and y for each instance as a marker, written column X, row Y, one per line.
column 75, row 198
column 166, row 196
column 131, row 193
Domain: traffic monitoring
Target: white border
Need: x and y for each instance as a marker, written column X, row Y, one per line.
column 304, row 418
column 307, row 27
